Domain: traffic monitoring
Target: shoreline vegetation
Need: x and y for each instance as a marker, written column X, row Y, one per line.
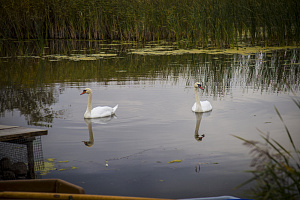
column 277, row 169
column 192, row 23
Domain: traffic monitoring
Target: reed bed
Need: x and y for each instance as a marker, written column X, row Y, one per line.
column 221, row 23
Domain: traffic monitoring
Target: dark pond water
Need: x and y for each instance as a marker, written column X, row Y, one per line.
column 130, row 153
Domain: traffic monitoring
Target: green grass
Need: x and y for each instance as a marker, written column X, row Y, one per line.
column 277, row 170
column 220, row 23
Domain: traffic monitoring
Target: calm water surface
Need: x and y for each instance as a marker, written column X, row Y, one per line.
column 129, row 154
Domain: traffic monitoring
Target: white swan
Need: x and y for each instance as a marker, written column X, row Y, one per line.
column 100, row 111
column 200, row 106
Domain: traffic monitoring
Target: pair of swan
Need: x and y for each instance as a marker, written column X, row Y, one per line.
column 104, row 111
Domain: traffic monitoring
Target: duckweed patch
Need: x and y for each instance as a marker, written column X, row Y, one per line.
column 242, row 51
column 66, row 161
column 175, row 161
column 48, row 166
column 52, row 165
column 79, row 57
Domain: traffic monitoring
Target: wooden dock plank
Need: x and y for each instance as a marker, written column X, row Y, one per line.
column 17, row 132
column 6, row 127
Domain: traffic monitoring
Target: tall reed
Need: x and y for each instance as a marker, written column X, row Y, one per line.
column 277, row 172
column 219, row 23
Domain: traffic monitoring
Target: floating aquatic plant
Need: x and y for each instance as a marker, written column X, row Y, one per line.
column 50, row 165
column 175, row 161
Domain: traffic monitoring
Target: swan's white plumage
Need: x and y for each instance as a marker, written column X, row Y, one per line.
column 100, row 111
column 200, row 106
column 205, row 107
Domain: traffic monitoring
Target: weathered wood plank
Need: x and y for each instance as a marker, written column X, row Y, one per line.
column 11, row 133
column 6, row 127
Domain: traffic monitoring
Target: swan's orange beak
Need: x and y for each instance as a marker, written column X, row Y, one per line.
column 200, row 87
column 83, row 92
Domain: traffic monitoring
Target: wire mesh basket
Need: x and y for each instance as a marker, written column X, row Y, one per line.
column 21, row 158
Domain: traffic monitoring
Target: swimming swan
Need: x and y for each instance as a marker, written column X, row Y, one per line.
column 100, row 111
column 200, row 106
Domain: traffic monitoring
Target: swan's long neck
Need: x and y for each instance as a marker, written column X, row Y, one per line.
column 197, row 98
column 89, row 105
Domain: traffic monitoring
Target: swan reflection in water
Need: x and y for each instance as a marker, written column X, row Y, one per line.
column 197, row 136
column 103, row 120
column 198, row 121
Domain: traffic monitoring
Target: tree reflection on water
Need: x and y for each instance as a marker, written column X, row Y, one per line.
column 29, row 84
column 33, row 103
